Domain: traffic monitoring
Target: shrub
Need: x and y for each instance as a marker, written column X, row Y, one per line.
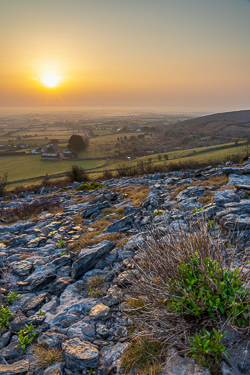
column 166, row 156
column 28, row 209
column 107, row 175
column 45, row 357
column 61, row 243
column 3, row 184
column 157, row 212
column 183, row 281
column 208, row 349
column 195, row 210
column 77, row 174
column 6, row 316
column 210, row 224
column 26, row 336
column 203, row 287
column 12, row 296
column 92, row 186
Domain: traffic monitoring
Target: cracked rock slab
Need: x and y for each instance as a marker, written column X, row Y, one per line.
column 90, row 256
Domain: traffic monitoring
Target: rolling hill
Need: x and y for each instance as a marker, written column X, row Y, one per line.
column 233, row 123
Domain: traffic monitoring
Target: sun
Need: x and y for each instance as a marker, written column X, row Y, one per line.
column 50, row 80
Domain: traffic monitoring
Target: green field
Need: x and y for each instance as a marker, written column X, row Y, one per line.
column 177, row 156
column 21, row 167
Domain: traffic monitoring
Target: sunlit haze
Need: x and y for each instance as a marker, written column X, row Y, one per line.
column 173, row 54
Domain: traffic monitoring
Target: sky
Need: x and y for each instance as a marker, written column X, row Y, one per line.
column 173, row 54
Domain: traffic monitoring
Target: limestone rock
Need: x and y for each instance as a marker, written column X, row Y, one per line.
column 22, row 268
column 120, row 225
column 90, row 256
column 17, row 368
column 177, row 365
column 100, row 312
column 80, row 355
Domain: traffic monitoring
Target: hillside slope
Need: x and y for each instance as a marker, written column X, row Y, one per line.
column 234, row 123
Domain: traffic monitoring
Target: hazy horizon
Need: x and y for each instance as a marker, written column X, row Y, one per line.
column 183, row 56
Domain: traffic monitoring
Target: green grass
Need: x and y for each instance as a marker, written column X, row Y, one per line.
column 21, row 167
column 176, row 156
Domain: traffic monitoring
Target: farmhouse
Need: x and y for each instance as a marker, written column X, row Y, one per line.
column 50, row 148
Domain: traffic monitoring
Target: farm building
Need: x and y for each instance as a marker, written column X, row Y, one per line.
column 50, row 156
column 37, row 151
column 50, row 148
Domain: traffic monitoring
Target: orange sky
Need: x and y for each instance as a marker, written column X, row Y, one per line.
column 173, row 53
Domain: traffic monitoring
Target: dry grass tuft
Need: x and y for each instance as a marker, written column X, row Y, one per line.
column 137, row 194
column 95, row 282
column 96, row 293
column 89, row 240
column 212, row 181
column 208, row 198
column 26, row 255
column 118, row 211
column 176, row 191
column 146, row 355
column 216, row 181
column 45, row 357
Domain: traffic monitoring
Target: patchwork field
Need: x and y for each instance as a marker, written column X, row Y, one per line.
column 21, row 167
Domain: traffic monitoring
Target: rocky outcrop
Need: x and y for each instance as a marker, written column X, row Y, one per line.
column 75, row 300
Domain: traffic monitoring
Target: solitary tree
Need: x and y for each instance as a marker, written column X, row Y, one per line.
column 77, row 143
column 166, row 156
